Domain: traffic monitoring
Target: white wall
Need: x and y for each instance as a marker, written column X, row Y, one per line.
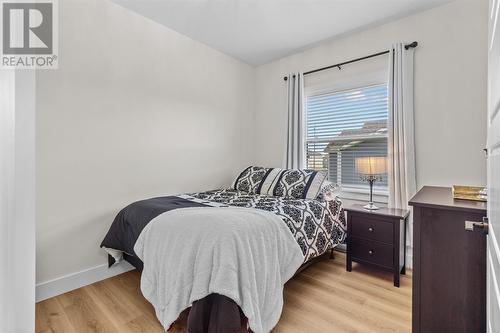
column 450, row 89
column 135, row 110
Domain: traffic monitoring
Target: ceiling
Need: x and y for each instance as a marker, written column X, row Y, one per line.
column 259, row 31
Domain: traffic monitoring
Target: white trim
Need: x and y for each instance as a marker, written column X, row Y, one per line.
column 409, row 256
column 7, row 193
column 17, row 201
column 495, row 20
column 80, row 279
column 494, row 241
column 494, row 280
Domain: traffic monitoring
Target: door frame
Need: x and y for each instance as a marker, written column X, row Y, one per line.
column 17, row 201
column 493, row 149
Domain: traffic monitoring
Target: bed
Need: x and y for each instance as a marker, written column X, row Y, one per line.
column 242, row 243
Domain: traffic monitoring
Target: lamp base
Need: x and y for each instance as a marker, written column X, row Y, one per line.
column 370, row 206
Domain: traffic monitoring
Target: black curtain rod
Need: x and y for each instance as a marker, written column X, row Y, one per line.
column 414, row 44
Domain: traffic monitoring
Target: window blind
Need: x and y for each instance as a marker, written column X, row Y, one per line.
column 342, row 126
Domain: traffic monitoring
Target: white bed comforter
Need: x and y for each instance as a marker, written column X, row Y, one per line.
column 244, row 254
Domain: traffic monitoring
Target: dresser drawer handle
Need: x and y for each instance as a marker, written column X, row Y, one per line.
column 370, row 252
column 370, row 229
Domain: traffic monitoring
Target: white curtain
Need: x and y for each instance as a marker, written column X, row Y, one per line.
column 294, row 145
column 402, row 177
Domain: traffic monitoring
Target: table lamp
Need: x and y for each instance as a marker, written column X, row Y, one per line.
column 371, row 169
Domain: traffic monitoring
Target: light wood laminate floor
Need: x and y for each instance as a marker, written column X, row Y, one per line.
column 323, row 298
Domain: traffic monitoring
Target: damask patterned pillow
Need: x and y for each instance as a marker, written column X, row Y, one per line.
column 251, row 179
column 298, row 184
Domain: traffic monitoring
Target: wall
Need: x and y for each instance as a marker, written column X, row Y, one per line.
column 450, row 89
column 135, row 111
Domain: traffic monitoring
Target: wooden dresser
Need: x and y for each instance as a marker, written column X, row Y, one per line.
column 449, row 264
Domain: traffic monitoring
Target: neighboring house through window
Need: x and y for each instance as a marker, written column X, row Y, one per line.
column 347, row 114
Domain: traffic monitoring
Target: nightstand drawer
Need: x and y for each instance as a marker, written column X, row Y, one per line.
column 372, row 252
column 373, row 229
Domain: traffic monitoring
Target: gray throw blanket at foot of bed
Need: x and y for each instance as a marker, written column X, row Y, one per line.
column 244, row 254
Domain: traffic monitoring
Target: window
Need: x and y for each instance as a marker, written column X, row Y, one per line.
column 344, row 125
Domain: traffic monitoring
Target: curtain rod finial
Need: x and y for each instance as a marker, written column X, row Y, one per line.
column 414, row 44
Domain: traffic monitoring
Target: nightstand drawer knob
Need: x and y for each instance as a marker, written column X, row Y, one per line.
column 370, row 229
column 370, row 252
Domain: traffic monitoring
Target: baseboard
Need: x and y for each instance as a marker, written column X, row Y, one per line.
column 409, row 257
column 80, row 279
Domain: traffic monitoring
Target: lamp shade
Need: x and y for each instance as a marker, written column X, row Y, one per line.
column 371, row 165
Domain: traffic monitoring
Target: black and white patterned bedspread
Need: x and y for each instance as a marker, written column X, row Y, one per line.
column 317, row 226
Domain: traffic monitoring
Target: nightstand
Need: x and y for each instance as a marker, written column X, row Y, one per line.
column 377, row 238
